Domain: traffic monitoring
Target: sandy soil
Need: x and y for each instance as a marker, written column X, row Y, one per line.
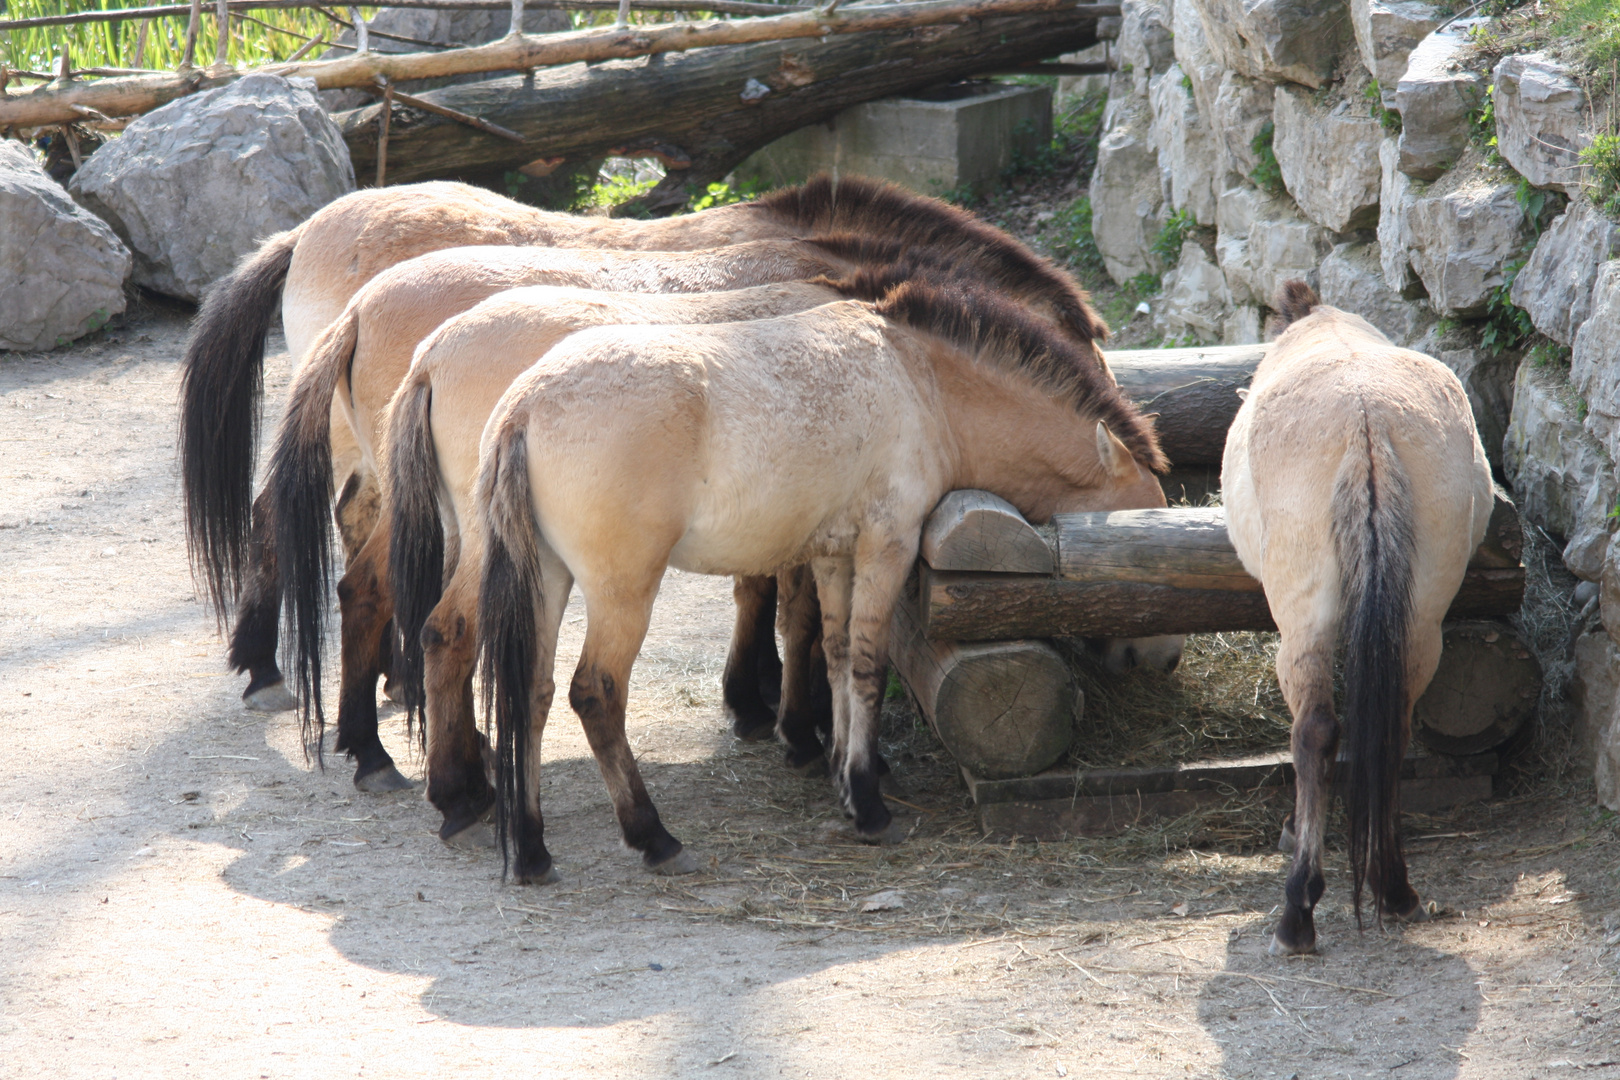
column 182, row 894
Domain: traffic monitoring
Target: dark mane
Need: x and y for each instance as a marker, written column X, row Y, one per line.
column 1001, row 332
column 862, row 206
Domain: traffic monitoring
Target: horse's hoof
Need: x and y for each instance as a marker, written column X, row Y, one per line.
column 382, row 781
column 475, row 837
column 754, row 728
column 894, row 833
column 808, row 767
column 1418, row 912
column 271, row 699
column 682, row 862
column 1279, row 947
column 549, row 877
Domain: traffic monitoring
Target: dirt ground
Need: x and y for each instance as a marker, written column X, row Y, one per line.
column 182, row 894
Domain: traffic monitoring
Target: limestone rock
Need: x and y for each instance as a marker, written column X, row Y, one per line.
column 1596, row 692
column 1609, row 588
column 1242, row 107
column 1193, row 301
column 1460, row 235
column 1184, row 146
column 1126, row 197
column 195, row 185
column 1202, row 68
column 62, row 270
column 1594, row 367
column 1075, row 88
column 1352, row 279
column 1434, row 98
column 1386, row 33
column 1292, row 40
column 1329, row 159
column 1555, row 285
column 1242, row 326
column 1394, row 203
column 1562, row 479
column 1541, row 120
column 1488, row 381
column 1146, row 45
column 1261, row 242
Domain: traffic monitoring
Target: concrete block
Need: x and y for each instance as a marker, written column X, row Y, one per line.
column 931, row 142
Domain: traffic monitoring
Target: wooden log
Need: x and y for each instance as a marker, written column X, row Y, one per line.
column 1194, row 391
column 970, row 530
column 1141, row 573
column 1483, row 693
column 52, row 104
column 689, row 109
column 1002, row 708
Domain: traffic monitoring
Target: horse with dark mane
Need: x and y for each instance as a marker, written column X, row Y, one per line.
column 629, row 449
column 1356, row 489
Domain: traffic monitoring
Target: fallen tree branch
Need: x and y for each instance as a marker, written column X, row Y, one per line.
column 52, row 104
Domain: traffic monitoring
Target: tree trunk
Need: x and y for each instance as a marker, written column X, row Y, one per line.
column 700, row 112
column 1194, row 391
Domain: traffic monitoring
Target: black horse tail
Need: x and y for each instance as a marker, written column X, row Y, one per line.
column 219, row 414
column 508, row 597
column 300, row 487
column 416, row 535
column 1372, row 534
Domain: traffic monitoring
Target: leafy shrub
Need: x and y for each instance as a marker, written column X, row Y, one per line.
column 1602, row 158
column 1268, row 174
column 1179, row 226
column 1388, row 119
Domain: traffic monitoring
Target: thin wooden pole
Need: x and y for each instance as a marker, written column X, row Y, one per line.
column 141, row 35
column 362, row 37
column 517, row 18
column 193, row 25
column 307, row 47
column 222, row 53
column 382, row 131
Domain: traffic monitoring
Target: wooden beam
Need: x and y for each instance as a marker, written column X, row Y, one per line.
column 1194, row 391
column 51, row 104
column 971, row 530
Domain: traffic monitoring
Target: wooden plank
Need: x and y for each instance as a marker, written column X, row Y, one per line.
column 1002, row 708
column 975, row 530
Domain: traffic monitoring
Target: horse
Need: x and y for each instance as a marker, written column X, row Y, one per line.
column 1356, row 489
column 353, row 370
column 628, row 449
column 313, row 270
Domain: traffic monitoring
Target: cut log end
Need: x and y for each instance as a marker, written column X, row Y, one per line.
column 1483, row 693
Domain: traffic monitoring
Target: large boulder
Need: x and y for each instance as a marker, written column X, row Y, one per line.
column 1146, row 42
column 1394, row 203
column 1329, row 159
column 1184, row 146
column 1595, row 691
column 1461, row 232
column 1352, row 279
column 1241, row 110
column 1562, row 479
column 1386, row 33
column 1555, row 285
column 1541, row 120
column 195, row 185
column 62, row 270
column 1193, row 303
column 1127, row 200
column 1434, row 98
column 1594, row 366
column 1287, row 40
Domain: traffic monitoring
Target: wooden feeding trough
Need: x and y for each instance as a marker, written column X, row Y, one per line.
column 971, row 636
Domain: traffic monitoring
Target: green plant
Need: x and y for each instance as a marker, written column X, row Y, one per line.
column 1547, row 353
column 1267, row 175
column 1069, row 238
column 1167, row 245
column 1602, row 158
column 1507, row 326
column 257, row 37
column 615, row 190
column 1482, row 126
column 1388, row 119
column 722, row 193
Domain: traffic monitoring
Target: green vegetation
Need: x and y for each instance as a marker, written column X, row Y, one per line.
column 616, row 190
column 1482, row 127
column 1388, row 119
column 1506, row 326
column 1070, row 240
column 259, row 37
column 723, row 193
column 1267, row 175
column 1603, row 159
column 1179, row 227
column 1547, row 353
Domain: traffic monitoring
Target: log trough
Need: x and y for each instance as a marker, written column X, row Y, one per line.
column 972, row 634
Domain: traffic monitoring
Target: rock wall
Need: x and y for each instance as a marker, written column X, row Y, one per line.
column 1346, row 143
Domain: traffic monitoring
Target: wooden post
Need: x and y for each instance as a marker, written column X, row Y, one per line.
column 193, row 26
column 1002, row 708
column 382, row 132
column 222, row 52
column 141, row 34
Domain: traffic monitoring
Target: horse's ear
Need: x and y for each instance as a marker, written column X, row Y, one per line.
column 1243, row 393
column 1114, row 456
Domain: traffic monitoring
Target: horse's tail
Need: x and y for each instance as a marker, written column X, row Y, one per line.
column 1372, row 535
column 219, row 413
column 300, row 486
column 508, row 597
column 416, row 535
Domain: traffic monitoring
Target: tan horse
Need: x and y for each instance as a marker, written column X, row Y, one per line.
column 437, row 418
column 353, row 371
column 313, row 270
column 626, row 450
column 1356, row 489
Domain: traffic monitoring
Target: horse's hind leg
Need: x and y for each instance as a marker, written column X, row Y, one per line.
column 457, row 779
column 799, row 724
column 1305, row 670
column 617, row 613
column 752, row 639
column 1390, row 880
column 367, row 611
column 258, row 613
column 358, row 512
